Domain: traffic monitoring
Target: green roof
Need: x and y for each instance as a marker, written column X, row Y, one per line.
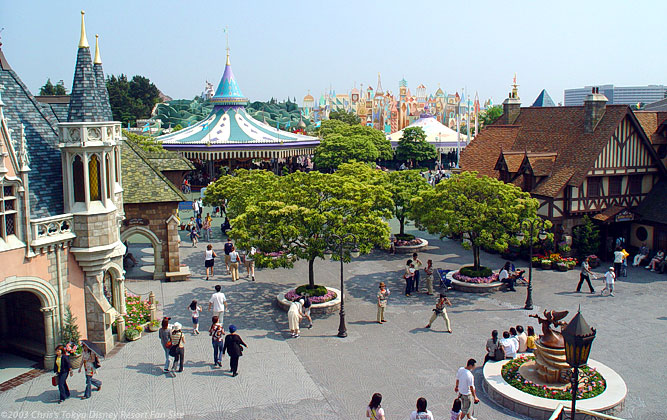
column 143, row 181
column 167, row 160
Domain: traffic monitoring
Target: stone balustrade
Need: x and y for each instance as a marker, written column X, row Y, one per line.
column 82, row 133
column 51, row 230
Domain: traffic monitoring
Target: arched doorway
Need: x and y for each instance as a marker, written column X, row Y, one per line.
column 146, row 250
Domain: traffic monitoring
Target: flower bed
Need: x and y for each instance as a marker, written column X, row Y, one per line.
column 293, row 296
column 412, row 242
column 477, row 280
column 591, row 383
column 138, row 311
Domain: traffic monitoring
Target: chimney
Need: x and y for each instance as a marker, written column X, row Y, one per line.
column 511, row 108
column 595, row 105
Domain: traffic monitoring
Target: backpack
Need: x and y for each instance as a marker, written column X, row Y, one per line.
column 499, row 352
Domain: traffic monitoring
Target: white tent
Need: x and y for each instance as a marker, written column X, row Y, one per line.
column 439, row 135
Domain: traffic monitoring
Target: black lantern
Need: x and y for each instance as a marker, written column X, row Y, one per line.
column 578, row 336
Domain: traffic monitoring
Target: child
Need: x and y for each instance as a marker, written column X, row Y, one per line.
column 305, row 310
column 456, row 409
column 196, row 309
column 441, row 311
column 609, row 278
column 194, row 236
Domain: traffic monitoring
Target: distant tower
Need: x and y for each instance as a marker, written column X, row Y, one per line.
column 101, row 83
column 403, row 107
column 92, row 188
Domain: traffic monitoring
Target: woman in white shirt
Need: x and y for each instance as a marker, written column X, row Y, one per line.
column 209, row 260
column 234, row 260
column 421, row 413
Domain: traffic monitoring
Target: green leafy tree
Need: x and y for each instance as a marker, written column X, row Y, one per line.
column 404, row 186
column 49, row 89
column 586, row 238
column 70, row 331
column 241, row 189
column 490, row 115
column 131, row 100
column 347, row 117
column 380, row 141
column 413, row 146
column 486, row 211
column 147, row 143
column 337, row 149
column 298, row 215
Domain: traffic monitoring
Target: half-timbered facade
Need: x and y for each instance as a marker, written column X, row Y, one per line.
column 591, row 160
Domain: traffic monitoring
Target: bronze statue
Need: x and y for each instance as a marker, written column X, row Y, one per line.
column 550, row 337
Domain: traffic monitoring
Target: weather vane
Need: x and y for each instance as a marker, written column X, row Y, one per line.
column 226, row 31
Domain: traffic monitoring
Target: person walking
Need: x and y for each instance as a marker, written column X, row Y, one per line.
column 609, row 278
column 232, row 346
column 249, row 260
column 465, row 386
column 374, row 411
column 429, row 277
column 409, row 277
column 228, row 248
column 382, row 296
column 89, row 362
column 619, row 257
column 217, row 334
column 218, row 304
column 209, row 260
column 421, row 413
column 234, row 260
column 194, row 236
column 195, row 309
column 165, row 337
column 63, row 369
column 206, row 228
column 440, row 310
column 417, row 265
column 294, row 318
column 585, row 274
column 177, row 349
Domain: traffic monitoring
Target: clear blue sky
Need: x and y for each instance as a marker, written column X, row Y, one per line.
column 284, row 48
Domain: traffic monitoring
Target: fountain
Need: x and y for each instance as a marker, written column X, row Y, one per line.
column 550, row 362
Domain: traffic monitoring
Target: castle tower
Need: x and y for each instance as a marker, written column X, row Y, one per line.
column 101, row 83
column 92, row 188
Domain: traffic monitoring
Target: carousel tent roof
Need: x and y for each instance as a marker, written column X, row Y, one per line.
column 438, row 134
column 230, row 128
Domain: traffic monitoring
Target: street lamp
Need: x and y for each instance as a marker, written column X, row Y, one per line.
column 341, row 242
column 531, row 225
column 578, row 336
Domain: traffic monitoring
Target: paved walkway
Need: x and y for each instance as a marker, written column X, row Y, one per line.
column 325, row 377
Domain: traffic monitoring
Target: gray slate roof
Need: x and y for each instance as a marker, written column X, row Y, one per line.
column 85, row 103
column 45, row 177
column 543, row 99
column 653, row 206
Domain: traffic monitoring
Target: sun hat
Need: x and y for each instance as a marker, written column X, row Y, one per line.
column 177, row 326
column 611, row 268
column 232, row 328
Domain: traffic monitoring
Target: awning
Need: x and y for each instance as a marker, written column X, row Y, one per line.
column 614, row 214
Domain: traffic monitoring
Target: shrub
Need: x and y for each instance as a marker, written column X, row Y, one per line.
column 469, row 271
column 404, row 237
column 306, row 290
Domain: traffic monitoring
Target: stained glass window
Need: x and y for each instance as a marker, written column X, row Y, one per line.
column 94, row 177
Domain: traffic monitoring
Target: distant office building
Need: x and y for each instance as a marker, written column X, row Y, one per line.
column 617, row 95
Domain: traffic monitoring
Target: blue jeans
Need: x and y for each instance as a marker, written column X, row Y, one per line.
column 166, row 359
column 90, row 380
column 408, row 285
column 62, row 386
column 217, row 351
column 416, row 281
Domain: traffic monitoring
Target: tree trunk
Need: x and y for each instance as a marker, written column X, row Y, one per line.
column 311, row 273
column 401, row 220
column 475, row 256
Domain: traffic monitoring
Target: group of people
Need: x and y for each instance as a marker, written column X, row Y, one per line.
column 233, row 260
column 62, row 367
column 412, row 275
column 439, row 310
column 514, row 341
column 461, row 408
column 173, row 341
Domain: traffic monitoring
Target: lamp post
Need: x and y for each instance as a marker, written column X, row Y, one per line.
column 578, row 336
column 531, row 225
column 340, row 242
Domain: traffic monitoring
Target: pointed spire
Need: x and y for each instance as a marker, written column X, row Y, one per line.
column 83, row 41
column 98, row 59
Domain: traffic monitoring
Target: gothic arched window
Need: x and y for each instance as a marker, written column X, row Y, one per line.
column 117, row 161
column 77, row 180
column 94, row 178
column 107, row 168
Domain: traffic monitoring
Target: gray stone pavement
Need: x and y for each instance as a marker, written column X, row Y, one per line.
column 322, row 376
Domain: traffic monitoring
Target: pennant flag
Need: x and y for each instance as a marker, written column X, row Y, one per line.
column 146, row 128
column 318, row 124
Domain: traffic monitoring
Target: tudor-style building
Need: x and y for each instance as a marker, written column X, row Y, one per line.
column 591, row 160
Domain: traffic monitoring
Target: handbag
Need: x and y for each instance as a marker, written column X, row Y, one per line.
column 96, row 363
column 173, row 350
column 54, row 380
column 499, row 352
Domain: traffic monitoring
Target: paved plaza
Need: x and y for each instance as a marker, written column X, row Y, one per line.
column 322, row 376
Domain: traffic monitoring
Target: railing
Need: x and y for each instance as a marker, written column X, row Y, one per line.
column 559, row 414
column 50, row 230
column 80, row 133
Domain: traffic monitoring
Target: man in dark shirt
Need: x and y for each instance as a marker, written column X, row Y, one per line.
column 228, row 248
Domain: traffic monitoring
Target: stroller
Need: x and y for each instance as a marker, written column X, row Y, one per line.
column 445, row 283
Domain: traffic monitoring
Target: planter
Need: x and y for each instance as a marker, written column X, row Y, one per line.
column 316, row 308
column 132, row 337
column 594, row 263
column 561, row 267
column 473, row 287
column 76, row 360
column 153, row 328
column 409, row 249
column 182, row 227
column 537, row 264
column 546, row 265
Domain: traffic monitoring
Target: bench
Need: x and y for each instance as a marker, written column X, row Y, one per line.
column 183, row 274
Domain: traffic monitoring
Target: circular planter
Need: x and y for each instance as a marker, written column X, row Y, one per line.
column 611, row 401
column 316, row 308
column 409, row 249
column 473, row 287
column 132, row 338
column 152, row 328
column 546, row 266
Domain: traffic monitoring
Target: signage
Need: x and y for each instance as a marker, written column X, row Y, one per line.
column 135, row 222
column 625, row 216
column 185, row 205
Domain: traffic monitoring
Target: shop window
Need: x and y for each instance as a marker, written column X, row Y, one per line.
column 593, row 187
column 107, row 168
column 94, row 177
column 8, row 211
column 615, row 185
column 635, row 184
column 77, row 180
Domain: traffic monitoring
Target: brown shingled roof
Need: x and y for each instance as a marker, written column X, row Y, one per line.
column 513, row 160
column 650, row 122
column 482, row 153
column 541, row 165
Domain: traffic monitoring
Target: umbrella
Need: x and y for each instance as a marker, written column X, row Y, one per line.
column 93, row 347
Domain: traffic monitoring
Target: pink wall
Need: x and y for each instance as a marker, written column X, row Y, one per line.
column 77, row 301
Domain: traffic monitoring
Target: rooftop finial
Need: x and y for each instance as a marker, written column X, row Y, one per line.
column 515, row 91
column 98, row 59
column 83, row 42
column 226, row 30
